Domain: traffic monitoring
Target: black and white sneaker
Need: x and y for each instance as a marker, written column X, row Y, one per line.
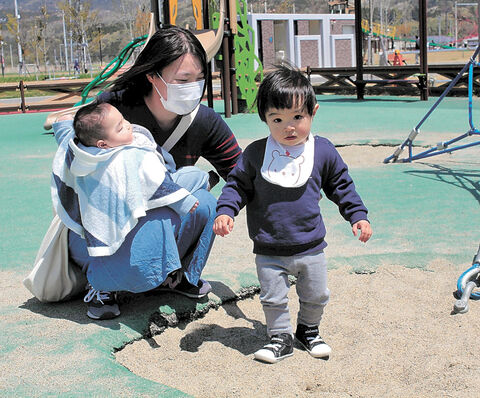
column 311, row 341
column 176, row 282
column 101, row 305
column 280, row 347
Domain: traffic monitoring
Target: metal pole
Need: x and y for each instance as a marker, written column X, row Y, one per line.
column 358, row 48
column 231, row 62
column 71, row 37
column 370, row 10
column 11, row 55
column 19, row 46
column 3, row 59
column 165, row 14
column 100, row 44
column 478, row 24
column 227, row 95
column 208, row 77
column 67, row 65
column 456, row 26
column 60, row 52
column 84, row 43
column 422, row 18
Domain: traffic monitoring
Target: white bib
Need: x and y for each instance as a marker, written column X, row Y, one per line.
column 288, row 166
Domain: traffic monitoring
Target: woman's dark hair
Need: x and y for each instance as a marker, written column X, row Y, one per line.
column 87, row 123
column 164, row 47
column 283, row 88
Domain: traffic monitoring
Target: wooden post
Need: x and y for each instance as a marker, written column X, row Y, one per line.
column 23, row 106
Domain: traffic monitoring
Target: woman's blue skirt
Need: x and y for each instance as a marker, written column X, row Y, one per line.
column 160, row 243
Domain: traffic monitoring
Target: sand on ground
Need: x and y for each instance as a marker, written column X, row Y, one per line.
column 392, row 333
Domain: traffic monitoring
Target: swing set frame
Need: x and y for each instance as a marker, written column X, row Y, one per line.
column 442, row 147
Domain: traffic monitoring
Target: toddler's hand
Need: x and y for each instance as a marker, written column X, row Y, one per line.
column 194, row 207
column 365, row 230
column 223, row 225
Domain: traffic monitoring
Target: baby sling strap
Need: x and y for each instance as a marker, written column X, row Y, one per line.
column 180, row 130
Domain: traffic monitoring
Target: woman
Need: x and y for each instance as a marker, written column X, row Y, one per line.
column 162, row 92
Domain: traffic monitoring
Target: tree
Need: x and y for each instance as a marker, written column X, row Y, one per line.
column 20, row 37
column 284, row 7
column 42, row 23
column 127, row 6
column 79, row 20
column 142, row 21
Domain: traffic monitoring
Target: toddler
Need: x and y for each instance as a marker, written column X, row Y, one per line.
column 279, row 179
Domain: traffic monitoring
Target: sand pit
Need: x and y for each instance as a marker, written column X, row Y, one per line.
column 392, row 335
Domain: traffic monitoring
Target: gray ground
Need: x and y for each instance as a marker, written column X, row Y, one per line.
column 391, row 331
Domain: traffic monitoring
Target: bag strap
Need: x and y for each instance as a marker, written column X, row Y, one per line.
column 180, row 130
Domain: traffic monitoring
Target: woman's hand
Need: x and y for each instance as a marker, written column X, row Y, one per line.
column 223, row 225
column 194, row 207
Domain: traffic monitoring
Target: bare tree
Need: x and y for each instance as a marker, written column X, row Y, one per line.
column 127, row 7
column 42, row 23
column 284, row 7
column 79, row 20
column 142, row 20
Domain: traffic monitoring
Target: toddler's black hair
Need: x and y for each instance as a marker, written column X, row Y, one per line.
column 284, row 88
column 88, row 123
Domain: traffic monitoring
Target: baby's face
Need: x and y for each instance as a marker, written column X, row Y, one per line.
column 117, row 131
column 289, row 126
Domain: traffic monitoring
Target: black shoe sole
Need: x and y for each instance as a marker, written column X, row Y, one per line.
column 104, row 317
column 186, row 294
column 275, row 360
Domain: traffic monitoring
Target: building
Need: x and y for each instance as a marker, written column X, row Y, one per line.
column 315, row 40
column 340, row 7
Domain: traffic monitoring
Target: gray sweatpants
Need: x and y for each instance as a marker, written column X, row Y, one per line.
column 311, row 273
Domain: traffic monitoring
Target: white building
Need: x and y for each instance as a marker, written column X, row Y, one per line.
column 315, row 40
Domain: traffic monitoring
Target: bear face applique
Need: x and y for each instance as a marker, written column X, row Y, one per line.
column 285, row 167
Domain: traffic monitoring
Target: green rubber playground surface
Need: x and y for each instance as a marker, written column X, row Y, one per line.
column 420, row 212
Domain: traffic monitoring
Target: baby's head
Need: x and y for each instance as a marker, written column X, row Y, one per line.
column 286, row 102
column 285, row 88
column 102, row 125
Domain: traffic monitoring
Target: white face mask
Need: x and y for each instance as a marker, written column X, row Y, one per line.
column 181, row 98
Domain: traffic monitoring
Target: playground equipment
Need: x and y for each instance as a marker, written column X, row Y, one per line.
column 396, row 59
column 245, row 58
column 211, row 39
column 225, row 34
column 466, row 284
column 442, row 147
column 378, row 29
